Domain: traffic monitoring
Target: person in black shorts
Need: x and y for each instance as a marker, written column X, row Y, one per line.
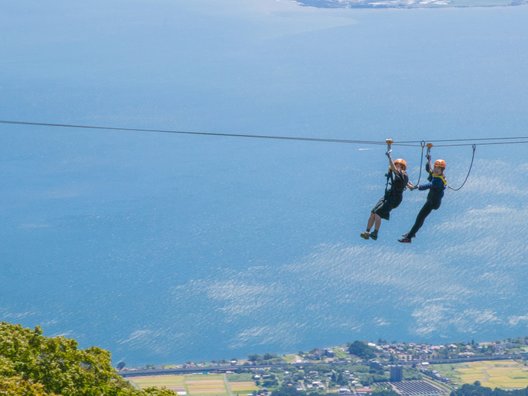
column 398, row 181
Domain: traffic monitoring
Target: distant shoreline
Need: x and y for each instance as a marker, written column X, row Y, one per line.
column 407, row 4
column 138, row 372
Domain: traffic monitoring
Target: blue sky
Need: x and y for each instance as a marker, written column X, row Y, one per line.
column 167, row 248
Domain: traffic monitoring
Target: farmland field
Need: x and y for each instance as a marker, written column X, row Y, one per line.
column 197, row 385
column 242, row 387
column 505, row 374
column 173, row 382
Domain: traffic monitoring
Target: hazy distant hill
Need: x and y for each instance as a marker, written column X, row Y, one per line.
column 408, row 3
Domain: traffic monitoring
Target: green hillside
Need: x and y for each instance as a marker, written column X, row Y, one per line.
column 34, row 365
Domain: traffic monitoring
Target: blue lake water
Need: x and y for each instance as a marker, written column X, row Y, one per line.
column 166, row 248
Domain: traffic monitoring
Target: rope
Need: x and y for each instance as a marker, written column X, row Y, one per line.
column 409, row 143
column 469, row 171
column 476, row 139
column 203, row 133
column 481, row 144
column 422, row 143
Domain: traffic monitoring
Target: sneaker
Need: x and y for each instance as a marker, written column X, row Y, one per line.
column 374, row 235
column 365, row 235
column 405, row 239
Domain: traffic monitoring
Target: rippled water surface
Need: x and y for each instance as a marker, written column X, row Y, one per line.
column 167, row 248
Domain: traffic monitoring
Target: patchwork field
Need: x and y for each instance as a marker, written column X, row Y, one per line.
column 172, row 382
column 242, row 387
column 197, row 385
column 505, row 374
column 210, row 385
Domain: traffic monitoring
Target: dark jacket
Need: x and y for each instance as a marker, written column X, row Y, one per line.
column 398, row 184
column 436, row 187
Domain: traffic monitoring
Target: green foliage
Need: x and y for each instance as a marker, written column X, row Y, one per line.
column 338, row 378
column 477, row 390
column 362, row 350
column 34, row 365
column 157, row 392
column 16, row 385
column 411, row 374
column 384, row 393
column 240, row 377
column 287, row 391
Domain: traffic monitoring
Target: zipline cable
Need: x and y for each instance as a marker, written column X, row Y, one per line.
column 473, row 142
column 202, row 133
column 482, row 144
column 409, row 143
column 474, row 139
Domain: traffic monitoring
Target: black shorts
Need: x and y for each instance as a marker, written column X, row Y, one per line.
column 385, row 205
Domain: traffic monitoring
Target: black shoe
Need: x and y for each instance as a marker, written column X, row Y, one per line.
column 405, row 239
column 365, row 235
column 374, row 235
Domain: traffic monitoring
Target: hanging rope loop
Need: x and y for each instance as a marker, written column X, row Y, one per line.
column 422, row 143
column 474, row 147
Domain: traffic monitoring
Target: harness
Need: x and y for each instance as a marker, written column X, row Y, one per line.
column 390, row 180
column 390, row 174
column 441, row 177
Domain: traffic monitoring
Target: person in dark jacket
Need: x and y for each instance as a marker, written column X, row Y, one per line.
column 436, row 186
column 399, row 181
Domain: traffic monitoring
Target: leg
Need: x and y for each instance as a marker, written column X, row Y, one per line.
column 424, row 212
column 371, row 221
column 381, row 210
column 377, row 221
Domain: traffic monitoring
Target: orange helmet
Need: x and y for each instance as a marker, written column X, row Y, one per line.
column 402, row 162
column 440, row 163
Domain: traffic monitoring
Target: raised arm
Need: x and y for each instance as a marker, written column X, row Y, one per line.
column 428, row 165
column 391, row 162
